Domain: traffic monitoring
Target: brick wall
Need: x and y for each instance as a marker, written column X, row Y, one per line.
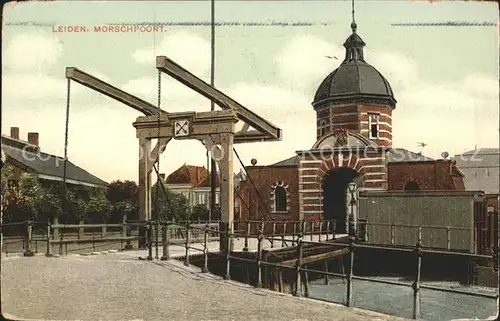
column 264, row 178
column 370, row 166
column 355, row 117
column 440, row 175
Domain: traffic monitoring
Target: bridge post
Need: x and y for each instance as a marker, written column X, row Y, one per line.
column 283, row 235
column 157, row 237
column 247, row 235
column 186, row 256
column 297, row 290
column 351, row 271
column 165, row 240
column 49, row 246
column 126, row 233
column 55, row 230
column 228, row 247
column 29, row 231
column 273, row 234
column 144, row 186
column 259, row 260
column 326, row 270
column 149, row 240
column 204, row 269
column 81, row 230
column 306, row 282
column 416, row 284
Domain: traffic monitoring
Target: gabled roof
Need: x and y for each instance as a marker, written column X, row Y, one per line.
column 206, row 182
column 479, row 158
column 403, row 155
column 188, row 174
column 397, row 155
column 50, row 166
column 197, row 176
column 292, row 161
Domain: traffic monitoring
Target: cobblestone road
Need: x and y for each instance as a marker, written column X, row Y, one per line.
column 118, row 286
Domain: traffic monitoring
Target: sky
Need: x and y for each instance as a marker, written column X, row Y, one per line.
column 270, row 57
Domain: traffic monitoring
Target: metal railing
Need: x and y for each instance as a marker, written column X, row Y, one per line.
column 286, row 234
column 301, row 271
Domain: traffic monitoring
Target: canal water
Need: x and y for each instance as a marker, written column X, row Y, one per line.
column 398, row 300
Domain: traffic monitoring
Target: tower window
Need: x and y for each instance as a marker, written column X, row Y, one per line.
column 373, row 125
column 322, row 128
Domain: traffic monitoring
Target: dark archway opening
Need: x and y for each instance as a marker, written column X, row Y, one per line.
column 411, row 186
column 335, row 195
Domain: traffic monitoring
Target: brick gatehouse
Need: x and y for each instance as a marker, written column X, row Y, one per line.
column 354, row 105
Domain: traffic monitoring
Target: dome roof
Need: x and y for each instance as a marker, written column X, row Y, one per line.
column 354, row 81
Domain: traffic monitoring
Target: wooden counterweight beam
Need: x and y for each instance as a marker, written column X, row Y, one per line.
column 132, row 101
column 104, row 88
column 148, row 109
column 265, row 130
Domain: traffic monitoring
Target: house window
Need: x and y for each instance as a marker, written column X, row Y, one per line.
column 411, row 186
column 202, row 198
column 217, row 198
column 280, row 199
column 373, row 125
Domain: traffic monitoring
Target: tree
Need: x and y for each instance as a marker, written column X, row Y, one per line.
column 120, row 191
column 97, row 207
column 124, row 199
column 18, row 200
column 30, row 198
column 199, row 212
column 167, row 205
column 7, row 173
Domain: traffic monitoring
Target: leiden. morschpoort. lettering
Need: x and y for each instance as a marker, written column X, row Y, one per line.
column 108, row 28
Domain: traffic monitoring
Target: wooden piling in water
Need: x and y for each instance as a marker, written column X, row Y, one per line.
column 326, row 271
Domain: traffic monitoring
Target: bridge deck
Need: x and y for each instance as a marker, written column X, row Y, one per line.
column 120, row 287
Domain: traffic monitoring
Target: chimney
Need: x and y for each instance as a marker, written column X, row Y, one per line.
column 33, row 138
column 14, row 132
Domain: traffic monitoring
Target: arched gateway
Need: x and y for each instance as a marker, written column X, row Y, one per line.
column 325, row 171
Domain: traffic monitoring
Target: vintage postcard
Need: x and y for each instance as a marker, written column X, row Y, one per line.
column 250, row 160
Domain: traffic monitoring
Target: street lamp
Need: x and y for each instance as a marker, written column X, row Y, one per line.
column 352, row 218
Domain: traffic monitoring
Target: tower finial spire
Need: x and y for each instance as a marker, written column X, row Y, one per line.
column 353, row 23
column 354, row 44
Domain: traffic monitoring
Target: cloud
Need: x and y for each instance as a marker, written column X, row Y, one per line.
column 288, row 110
column 482, row 85
column 32, row 52
column 27, row 80
column 270, row 102
column 175, row 97
column 32, row 86
column 303, row 62
column 401, row 71
column 188, row 49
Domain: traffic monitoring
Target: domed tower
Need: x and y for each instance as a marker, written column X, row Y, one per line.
column 356, row 97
